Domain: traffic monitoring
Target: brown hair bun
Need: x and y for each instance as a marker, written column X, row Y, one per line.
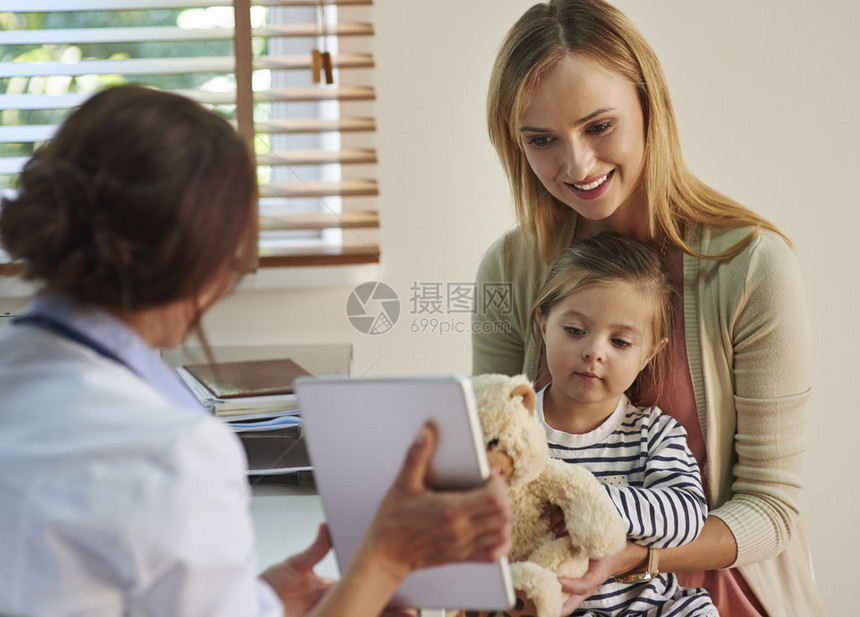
column 136, row 202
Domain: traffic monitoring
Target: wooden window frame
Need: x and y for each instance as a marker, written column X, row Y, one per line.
column 357, row 225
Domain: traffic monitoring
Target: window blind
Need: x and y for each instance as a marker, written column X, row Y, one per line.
column 253, row 61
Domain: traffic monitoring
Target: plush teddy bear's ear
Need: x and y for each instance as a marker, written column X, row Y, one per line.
column 527, row 392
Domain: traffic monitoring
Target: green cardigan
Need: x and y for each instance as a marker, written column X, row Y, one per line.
column 747, row 339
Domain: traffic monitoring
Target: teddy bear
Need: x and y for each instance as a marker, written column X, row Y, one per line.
column 516, row 443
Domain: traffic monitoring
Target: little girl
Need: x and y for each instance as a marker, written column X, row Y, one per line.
column 605, row 317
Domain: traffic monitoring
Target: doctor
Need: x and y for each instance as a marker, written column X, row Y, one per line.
column 119, row 495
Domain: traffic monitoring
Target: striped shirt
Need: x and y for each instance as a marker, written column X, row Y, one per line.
column 640, row 455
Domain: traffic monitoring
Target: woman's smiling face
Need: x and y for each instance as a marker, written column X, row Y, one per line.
column 583, row 135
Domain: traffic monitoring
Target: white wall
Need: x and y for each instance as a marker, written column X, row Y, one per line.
column 765, row 93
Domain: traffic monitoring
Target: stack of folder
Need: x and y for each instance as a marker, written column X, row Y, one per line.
column 256, row 398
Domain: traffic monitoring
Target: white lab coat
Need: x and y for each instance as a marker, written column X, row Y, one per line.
column 113, row 500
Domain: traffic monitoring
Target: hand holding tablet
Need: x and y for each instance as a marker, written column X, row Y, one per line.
column 358, row 434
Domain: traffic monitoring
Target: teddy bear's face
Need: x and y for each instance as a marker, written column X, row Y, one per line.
column 499, row 459
column 515, row 439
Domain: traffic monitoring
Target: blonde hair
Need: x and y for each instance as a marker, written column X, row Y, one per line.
column 614, row 258
column 674, row 197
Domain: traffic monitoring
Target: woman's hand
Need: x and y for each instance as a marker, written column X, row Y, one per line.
column 416, row 527
column 631, row 558
column 295, row 581
column 581, row 588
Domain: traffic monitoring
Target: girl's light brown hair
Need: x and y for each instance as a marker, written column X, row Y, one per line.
column 674, row 197
column 613, row 258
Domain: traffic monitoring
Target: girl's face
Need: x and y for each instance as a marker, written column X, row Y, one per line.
column 597, row 341
column 583, row 136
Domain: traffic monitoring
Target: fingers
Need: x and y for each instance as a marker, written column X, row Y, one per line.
column 598, row 571
column 478, row 514
column 312, row 555
column 414, row 470
column 557, row 526
column 491, row 500
column 576, row 586
column 487, row 526
column 491, row 546
column 571, row 604
column 421, row 528
column 497, row 482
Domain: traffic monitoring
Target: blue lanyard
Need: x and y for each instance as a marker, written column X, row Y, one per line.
column 58, row 327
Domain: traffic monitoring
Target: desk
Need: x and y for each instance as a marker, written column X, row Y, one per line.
column 286, row 519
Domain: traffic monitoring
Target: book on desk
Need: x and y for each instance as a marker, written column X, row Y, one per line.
column 256, row 398
column 244, row 387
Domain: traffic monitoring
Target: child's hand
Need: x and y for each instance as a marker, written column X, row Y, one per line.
column 557, row 525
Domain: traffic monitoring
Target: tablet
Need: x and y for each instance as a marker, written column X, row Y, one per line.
column 358, row 432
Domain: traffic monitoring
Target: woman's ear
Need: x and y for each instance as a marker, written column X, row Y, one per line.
column 215, row 289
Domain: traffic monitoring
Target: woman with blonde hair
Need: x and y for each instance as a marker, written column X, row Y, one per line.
column 580, row 115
